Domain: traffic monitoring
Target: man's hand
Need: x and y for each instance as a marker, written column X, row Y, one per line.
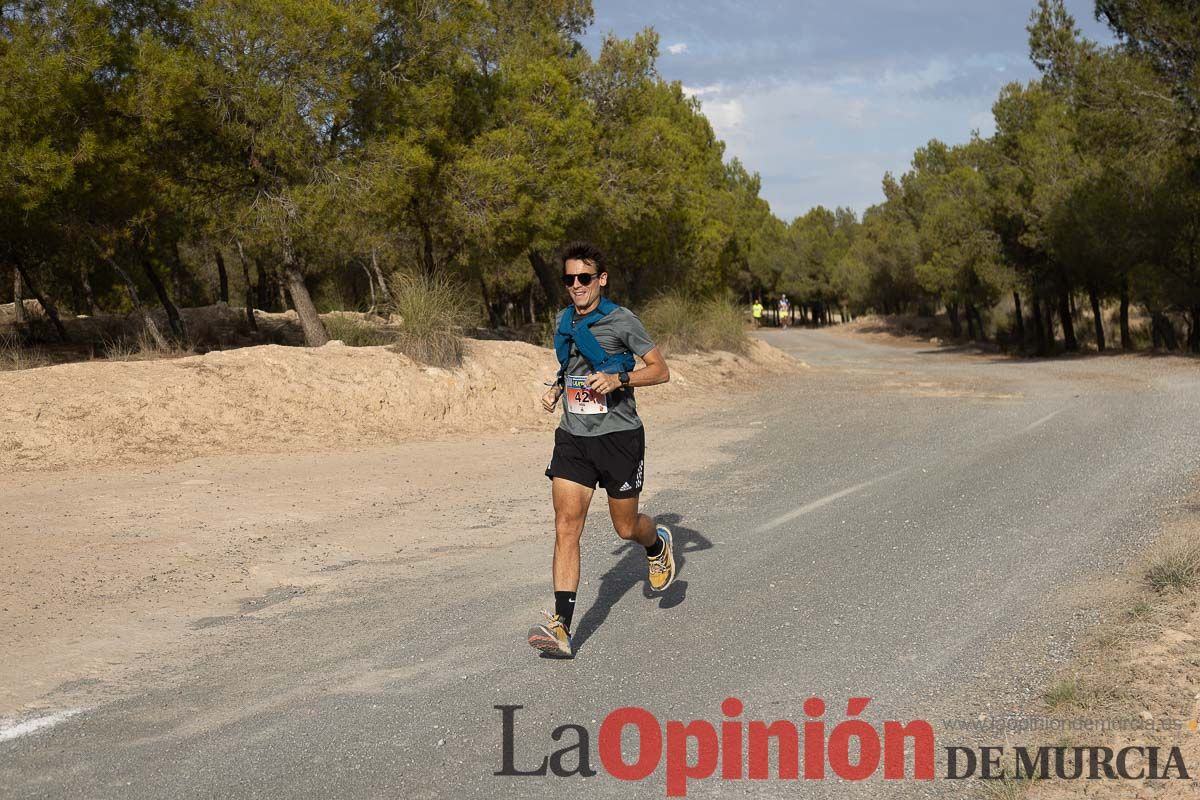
column 550, row 398
column 603, row 382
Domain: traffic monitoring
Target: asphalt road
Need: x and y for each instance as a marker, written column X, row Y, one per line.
column 917, row 527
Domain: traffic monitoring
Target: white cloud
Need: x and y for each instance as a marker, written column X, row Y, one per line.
column 701, row 91
column 829, row 142
column 725, row 116
column 679, row 48
column 982, row 121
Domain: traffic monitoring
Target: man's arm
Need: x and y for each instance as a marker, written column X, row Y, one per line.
column 551, row 396
column 653, row 373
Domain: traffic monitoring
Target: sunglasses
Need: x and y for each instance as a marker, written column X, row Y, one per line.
column 585, row 279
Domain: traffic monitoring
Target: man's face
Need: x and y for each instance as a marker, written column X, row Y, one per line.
column 584, row 297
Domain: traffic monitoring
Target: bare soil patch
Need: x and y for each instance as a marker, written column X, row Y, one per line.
column 1141, row 664
column 274, row 399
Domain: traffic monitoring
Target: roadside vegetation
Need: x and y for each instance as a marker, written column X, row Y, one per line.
column 434, row 311
column 1139, row 663
column 1174, row 563
column 680, row 323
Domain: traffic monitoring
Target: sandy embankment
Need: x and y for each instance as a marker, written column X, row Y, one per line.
column 275, row 399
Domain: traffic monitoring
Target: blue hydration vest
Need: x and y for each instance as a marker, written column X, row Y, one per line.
column 569, row 331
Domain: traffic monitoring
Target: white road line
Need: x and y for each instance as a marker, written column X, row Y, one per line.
column 824, row 501
column 12, row 729
column 1042, row 421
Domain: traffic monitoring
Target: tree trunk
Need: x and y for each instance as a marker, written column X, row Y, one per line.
column 89, row 297
column 18, row 298
column 45, row 302
column 547, row 277
column 280, row 290
column 493, row 317
column 383, row 287
column 971, row 322
column 955, row 322
column 1126, row 338
column 1068, row 326
column 1095, row 298
column 180, row 280
column 1194, row 331
column 1039, row 330
column 173, row 319
column 973, row 311
column 315, row 334
column 249, row 288
column 131, row 290
column 1164, row 331
column 222, row 276
column 1048, row 308
column 1020, row 320
column 370, row 284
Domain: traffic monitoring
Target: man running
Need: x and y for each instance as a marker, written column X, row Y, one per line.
column 600, row 438
column 756, row 311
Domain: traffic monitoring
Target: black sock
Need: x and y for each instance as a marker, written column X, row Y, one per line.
column 656, row 548
column 564, row 606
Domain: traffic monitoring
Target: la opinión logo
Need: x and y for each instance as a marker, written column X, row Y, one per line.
column 853, row 750
column 739, row 750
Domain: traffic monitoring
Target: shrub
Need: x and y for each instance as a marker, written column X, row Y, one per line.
column 434, row 310
column 1174, row 563
column 1063, row 693
column 680, row 323
column 143, row 348
column 15, row 355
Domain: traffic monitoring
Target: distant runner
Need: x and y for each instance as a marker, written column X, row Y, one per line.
column 756, row 311
column 785, row 309
column 600, row 438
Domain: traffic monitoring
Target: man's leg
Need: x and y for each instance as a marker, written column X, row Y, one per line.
column 571, row 501
column 631, row 525
column 657, row 539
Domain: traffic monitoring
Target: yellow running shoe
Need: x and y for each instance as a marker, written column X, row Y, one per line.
column 662, row 566
column 552, row 638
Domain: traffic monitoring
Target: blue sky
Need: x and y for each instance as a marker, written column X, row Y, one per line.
column 821, row 98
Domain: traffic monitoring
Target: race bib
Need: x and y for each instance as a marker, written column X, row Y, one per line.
column 581, row 399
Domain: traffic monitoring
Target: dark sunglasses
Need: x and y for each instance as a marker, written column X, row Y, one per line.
column 585, row 279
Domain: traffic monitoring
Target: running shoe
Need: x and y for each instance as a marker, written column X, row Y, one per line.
column 552, row 637
column 662, row 566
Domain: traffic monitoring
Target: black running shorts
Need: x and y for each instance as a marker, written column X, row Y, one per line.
column 614, row 460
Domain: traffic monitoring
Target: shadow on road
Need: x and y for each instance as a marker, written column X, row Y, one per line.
column 630, row 571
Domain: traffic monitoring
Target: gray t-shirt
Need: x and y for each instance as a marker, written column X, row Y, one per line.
column 587, row 414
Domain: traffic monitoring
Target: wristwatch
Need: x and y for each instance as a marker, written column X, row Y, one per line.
column 624, row 377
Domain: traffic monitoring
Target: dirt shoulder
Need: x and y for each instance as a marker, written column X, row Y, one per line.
column 285, row 399
column 1138, row 672
column 124, row 553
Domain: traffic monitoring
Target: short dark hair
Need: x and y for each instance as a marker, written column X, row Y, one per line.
column 583, row 251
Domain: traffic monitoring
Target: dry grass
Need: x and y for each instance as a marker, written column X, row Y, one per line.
column 1173, row 564
column 435, row 310
column 142, row 347
column 680, row 324
column 1063, row 694
column 15, row 355
column 356, row 332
